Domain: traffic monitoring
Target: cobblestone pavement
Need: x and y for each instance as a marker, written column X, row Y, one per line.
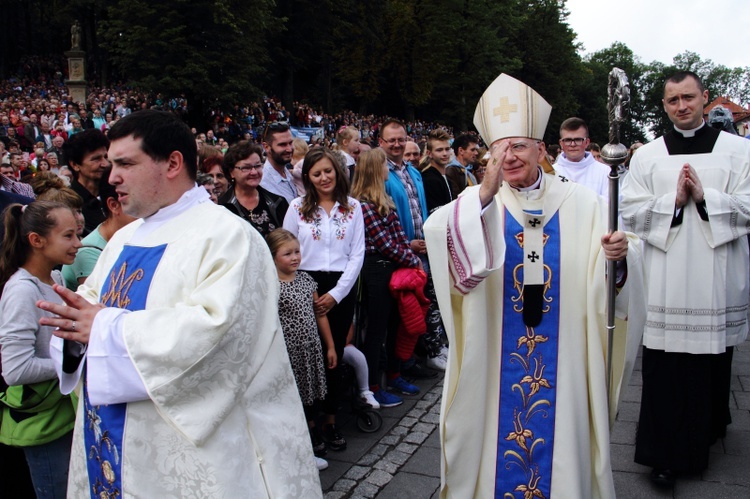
column 402, row 459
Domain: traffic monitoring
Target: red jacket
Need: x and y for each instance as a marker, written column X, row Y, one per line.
column 407, row 287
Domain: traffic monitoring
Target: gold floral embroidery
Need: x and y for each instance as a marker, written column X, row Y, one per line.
column 102, row 439
column 519, row 433
column 530, row 490
column 530, row 340
column 536, row 380
column 529, row 387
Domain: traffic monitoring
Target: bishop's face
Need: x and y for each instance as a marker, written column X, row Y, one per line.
column 521, row 162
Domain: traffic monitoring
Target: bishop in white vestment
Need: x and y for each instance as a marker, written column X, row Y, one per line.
column 525, row 411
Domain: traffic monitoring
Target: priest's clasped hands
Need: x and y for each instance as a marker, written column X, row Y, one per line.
column 688, row 185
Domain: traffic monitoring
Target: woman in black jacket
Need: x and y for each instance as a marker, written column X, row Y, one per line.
column 243, row 164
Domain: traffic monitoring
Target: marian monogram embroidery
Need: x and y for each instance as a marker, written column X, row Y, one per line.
column 119, row 286
column 127, row 287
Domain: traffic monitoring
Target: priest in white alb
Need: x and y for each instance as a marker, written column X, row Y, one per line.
column 187, row 390
column 688, row 197
column 525, row 409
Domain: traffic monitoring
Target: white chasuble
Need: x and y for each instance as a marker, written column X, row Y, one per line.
column 525, row 409
column 223, row 417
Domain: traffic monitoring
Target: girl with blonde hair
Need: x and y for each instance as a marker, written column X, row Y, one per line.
column 386, row 249
column 328, row 224
column 347, row 139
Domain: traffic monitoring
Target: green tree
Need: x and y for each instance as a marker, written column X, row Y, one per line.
column 593, row 96
column 210, row 50
column 551, row 64
column 475, row 49
column 360, row 54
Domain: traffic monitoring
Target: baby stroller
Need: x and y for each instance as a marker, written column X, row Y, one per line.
column 368, row 419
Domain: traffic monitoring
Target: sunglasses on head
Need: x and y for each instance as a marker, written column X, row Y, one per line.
column 275, row 127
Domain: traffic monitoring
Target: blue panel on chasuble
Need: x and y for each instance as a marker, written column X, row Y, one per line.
column 126, row 287
column 528, row 378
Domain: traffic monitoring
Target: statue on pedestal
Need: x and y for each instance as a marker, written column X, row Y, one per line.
column 75, row 36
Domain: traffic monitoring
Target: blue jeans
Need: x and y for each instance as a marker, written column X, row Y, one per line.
column 48, row 464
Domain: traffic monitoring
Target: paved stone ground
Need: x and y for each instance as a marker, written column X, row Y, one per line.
column 402, row 459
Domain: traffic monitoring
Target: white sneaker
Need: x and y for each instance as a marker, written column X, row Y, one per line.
column 368, row 398
column 439, row 362
column 320, row 463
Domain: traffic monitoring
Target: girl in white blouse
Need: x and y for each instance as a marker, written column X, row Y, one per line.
column 330, row 229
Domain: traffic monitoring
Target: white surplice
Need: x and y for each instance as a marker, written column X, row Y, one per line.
column 588, row 172
column 697, row 271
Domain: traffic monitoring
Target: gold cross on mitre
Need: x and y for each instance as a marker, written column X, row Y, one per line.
column 510, row 108
column 504, row 110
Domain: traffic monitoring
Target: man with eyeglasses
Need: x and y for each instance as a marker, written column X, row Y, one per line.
column 519, row 270
column 277, row 176
column 406, row 187
column 687, row 195
column 575, row 163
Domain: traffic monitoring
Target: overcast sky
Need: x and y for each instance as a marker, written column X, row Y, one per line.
column 658, row 30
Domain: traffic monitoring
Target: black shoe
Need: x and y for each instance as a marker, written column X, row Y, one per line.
column 416, row 371
column 318, row 445
column 334, row 439
column 662, row 478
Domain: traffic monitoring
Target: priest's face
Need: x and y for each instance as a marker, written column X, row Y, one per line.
column 520, row 166
column 684, row 102
column 140, row 180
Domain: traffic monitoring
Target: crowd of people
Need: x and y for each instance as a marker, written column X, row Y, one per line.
column 308, row 206
column 371, row 229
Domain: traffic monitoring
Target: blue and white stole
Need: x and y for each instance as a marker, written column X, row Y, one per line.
column 127, row 287
column 528, row 377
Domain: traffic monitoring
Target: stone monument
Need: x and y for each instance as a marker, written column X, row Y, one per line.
column 76, row 81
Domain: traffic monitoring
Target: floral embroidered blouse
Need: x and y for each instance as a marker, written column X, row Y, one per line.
column 331, row 243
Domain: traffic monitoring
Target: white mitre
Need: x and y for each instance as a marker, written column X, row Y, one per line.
column 510, row 108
